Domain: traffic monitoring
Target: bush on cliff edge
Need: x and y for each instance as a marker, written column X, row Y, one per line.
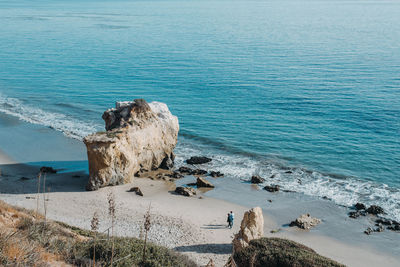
column 277, row 252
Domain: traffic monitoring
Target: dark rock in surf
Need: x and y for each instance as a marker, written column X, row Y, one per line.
column 198, row 160
column 272, row 188
column 360, row 206
column 356, row 214
column 198, row 172
column 185, row 170
column 216, row 174
column 256, row 179
column 375, row 210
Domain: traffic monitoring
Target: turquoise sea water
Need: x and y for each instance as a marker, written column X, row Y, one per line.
column 261, row 86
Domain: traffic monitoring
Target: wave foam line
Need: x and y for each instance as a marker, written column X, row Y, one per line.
column 68, row 126
column 342, row 190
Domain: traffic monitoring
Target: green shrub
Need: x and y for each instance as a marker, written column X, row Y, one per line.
column 277, row 252
column 130, row 250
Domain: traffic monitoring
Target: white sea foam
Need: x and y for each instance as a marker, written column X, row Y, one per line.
column 343, row 191
column 71, row 127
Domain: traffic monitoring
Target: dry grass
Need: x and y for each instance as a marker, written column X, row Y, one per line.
column 28, row 240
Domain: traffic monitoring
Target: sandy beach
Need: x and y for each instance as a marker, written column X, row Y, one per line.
column 195, row 226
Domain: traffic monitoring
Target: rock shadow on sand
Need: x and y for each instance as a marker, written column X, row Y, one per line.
column 22, row 178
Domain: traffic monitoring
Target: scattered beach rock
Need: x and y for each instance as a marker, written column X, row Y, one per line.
column 305, row 221
column 272, row 188
column 45, row 169
column 201, row 182
column 198, row 160
column 375, row 210
column 139, row 136
column 368, row 231
column 175, row 175
column 185, row 170
column 198, row 172
column 216, row 174
column 380, row 228
column 252, row 227
column 390, row 224
column 136, row 190
column 360, row 206
column 185, row 191
column 356, row 214
column 256, row 179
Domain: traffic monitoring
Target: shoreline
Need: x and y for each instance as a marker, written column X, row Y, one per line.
column 194, row 226
column 190, row 225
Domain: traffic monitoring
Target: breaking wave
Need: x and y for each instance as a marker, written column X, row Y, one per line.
column 68, row 125
column 342, row 190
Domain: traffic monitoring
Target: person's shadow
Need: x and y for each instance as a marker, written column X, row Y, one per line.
column 215, row 226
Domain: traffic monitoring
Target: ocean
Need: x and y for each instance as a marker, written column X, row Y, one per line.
column 306, row 92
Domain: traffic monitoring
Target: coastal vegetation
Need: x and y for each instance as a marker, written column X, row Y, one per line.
column 280, row 252
column 26, row 240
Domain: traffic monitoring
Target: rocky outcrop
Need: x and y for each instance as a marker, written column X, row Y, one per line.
column 139, row 137
column 305, row 221
column 252, row 227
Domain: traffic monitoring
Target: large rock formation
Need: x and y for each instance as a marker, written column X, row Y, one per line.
column 139, row 137
column 252, row 227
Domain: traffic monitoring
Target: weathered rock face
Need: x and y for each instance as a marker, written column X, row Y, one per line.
column 252, row 227
column 139, row 136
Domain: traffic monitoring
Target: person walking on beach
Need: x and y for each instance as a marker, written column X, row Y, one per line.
column 230, row 219
column 232, row 215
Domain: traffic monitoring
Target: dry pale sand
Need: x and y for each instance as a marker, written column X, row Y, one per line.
column 195, row 226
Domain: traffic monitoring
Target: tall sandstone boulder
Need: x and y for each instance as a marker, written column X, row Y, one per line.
column 139, row 136
column 252, row 227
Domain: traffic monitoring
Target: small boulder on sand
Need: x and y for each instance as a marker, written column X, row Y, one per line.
column 185, row 191
column 201, row 182
column 305, row 221
column 136, row 190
